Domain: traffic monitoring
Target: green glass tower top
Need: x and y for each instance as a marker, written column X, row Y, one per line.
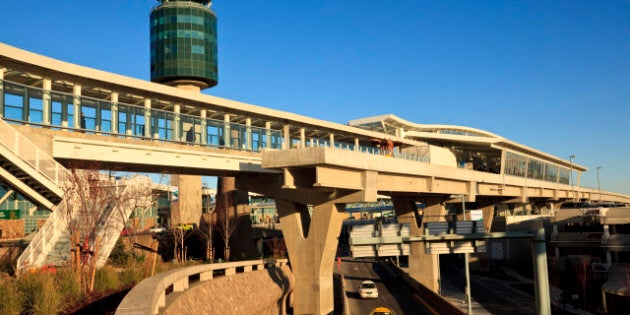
column 184, row 43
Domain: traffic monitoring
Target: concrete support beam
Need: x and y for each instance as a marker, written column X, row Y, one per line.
column 331, row 137
column 205, row 276
column 302, row 137
column 248, row 140
column 46, row 101
column 76, row 101
column 147, row 118
column 424, row 268
column 268, row 134
column 286, row 134
column 187, row 209
column 487, row 206
column 2, row 70
column 204, row 126
column 177, row 122
column 227, row 131
column 312, row 245
column 114, row 97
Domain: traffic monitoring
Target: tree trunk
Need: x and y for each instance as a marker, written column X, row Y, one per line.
column 238, row 206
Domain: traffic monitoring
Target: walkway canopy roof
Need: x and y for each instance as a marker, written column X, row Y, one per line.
column 451, row 135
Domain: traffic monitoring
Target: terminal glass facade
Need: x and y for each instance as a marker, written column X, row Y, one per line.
column 523, row 166
column 184, row 43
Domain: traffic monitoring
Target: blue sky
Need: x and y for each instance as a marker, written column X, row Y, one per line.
column 553, row 75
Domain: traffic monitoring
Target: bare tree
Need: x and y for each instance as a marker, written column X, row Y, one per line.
column 86, row 196
column 141, row 202
column 94, row 209
column 206, row 230
column 227, row 220
column 179, row 247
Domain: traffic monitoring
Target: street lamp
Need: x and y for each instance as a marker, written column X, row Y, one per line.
column 571, row 179
column 599, row 189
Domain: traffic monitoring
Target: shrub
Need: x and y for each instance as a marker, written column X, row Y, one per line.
column 47, row 298
column 40, row 294
column 119, row 256
column 131, row 276
column 106, row 279
column 11, row 299
column 68, row 285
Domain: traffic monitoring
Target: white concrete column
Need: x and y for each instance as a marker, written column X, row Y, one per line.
column 302, row 138
column 46, row 101
column 76, row 103
column 400, row 132
column 227, row 131
column 204, row 126
column 424, row 268
column 114, row 109
column 2, row 70
column 147, row 117
column 312, row 253
column 286, row 134
column 268, row 134
column 579, row 187
column 332, row 140
column 177, row 129
column 356, row 144
column 248, row 134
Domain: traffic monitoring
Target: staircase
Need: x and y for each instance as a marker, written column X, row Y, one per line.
column 36, row 175
column 28, row 169
column 97, row 229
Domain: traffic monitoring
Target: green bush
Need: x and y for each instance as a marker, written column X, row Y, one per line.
column 119, row 256
column 140, row 258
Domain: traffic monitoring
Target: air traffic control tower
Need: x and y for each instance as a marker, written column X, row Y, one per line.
column 184, row 44
column 184, row 55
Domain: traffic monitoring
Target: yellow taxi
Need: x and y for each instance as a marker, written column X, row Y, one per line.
column 382, row 311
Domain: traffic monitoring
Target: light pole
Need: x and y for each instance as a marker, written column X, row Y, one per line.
column 599, row 189
column 571, row 179
column 466, row 262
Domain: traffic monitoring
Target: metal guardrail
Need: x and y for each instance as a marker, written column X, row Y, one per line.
column 35, row 252
column 150, row 294
column 28, row 152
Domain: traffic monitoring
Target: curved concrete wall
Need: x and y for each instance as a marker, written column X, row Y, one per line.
column 244, row 287
column 259, row 292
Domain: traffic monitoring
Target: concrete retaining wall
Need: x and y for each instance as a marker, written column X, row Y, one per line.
column 260, row 292
column 245, row 287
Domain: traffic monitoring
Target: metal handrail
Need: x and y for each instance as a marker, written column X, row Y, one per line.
column 37, row 158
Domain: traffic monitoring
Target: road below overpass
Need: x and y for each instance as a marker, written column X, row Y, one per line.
column 394, row 293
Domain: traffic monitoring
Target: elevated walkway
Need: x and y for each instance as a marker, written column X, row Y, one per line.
column 29, row 170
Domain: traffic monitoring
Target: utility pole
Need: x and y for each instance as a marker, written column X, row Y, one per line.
column 571, row 166
column 599, row 189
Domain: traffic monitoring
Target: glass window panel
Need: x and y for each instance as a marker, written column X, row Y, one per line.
column 214, row 132
column 88, row 114
column 36, row 109
column 55, row 117
column 13, row 106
